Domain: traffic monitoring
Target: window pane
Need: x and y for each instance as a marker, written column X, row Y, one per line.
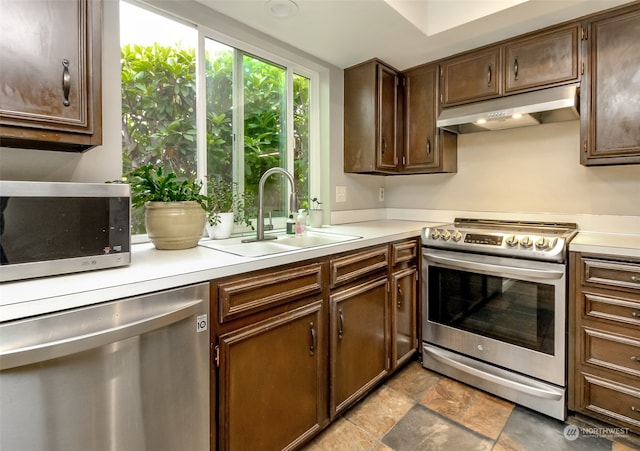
column 158, row 94
column 265, row 137
column 301, row 137
column 220, row 99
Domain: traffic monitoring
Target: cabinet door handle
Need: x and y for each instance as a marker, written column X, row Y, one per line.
column 515, row 67
column 66, row 82
column 314, row 338
column 428, row 146
column 400, row 297
column 384, row 146
column 340, row 324
column 489, row 74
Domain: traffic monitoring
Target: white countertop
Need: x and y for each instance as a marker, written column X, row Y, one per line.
column 153, row 270
column 607, row 244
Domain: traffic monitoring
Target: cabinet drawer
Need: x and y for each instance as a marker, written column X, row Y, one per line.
column 611, row 399
column 353, row 266
column 614, row 352
column 403, row 252
column 611, row 274
column 241, row 297
column 621, row 310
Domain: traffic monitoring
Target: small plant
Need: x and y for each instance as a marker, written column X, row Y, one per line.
column 151, row 184
column 224, row 197
column 315, row 204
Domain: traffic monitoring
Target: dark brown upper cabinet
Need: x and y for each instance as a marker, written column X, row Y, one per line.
column 50, row 72
column 426, row 148
column 533, row 61
column 371, row 139
column 390, row 121
column 472, row 76
column 546, row 58
column 610, row 94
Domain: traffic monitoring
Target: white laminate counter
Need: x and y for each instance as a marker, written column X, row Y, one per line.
column 607, row 244
column 153, row 270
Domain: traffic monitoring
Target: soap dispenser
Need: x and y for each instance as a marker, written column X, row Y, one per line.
column 301, row 223
column 291, row 225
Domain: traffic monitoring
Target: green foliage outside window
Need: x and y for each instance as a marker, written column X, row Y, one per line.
column 159, row 116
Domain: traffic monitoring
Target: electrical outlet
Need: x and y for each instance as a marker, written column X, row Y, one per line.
column 381, row 194
column 341, row 193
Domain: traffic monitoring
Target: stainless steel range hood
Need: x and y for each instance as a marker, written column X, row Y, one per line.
column 519, row 110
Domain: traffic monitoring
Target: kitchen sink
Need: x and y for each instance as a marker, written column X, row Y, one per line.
column 282, row 243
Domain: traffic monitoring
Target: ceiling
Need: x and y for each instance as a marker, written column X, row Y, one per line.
column 403, row 33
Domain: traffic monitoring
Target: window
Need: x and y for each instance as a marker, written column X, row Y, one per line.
column 256, row 114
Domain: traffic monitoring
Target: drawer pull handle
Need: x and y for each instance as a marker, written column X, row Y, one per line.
column 635, row 358
column 634, row 314
column 635, row 409
column 635, row 279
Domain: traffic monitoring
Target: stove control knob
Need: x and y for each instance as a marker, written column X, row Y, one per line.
column 542, row 243
column 526, row 242
column 512, row 241
column 457, row 236
column 445, row 235
column 435, row 234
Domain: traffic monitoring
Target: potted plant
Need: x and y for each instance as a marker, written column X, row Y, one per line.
column 315, row 213
column 224, row 206
column 174, row 207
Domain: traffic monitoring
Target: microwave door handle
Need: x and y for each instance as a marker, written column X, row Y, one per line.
column 506, row 270
column 12, row 358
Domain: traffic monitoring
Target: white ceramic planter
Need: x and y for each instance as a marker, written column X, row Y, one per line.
column 223, row 229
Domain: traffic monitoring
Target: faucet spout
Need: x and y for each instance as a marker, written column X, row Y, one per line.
column 292, row 199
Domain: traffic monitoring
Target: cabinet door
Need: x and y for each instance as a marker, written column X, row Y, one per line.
column 50, row 74
column 370, row 118
column 359, row 354
column 473, row 76
column 403, row 315
column 426, row 149
column 542, row 59
column 387, row 117
column 610, row 94
column 272, row 381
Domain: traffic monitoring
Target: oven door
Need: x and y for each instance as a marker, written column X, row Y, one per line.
column 504, row 311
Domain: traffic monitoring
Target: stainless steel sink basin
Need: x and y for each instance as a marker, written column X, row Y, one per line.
column 282, row 243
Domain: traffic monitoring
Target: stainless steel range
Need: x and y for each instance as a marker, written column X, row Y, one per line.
column 495, row 302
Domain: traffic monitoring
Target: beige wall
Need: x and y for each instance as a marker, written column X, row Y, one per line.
column 529, row 170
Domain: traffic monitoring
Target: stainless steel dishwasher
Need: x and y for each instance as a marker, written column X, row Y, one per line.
column 131, row 374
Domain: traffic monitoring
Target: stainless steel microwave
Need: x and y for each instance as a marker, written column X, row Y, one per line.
column 50, row 228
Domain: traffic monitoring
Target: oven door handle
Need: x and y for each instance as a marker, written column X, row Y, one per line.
column 501, row 269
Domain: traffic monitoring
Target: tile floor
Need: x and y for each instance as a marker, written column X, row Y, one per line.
column 421, row 410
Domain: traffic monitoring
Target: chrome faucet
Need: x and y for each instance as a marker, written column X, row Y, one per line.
column 292, row 202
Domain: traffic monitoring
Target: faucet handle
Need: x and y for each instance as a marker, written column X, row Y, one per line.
column 270, row 225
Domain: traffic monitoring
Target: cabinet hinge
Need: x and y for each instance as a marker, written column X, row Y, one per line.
column 404, row 161
column 582, row 69
column 584, row 34
column 584, row 146
column 216, row 356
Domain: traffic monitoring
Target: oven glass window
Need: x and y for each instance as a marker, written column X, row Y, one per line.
column 510, row 310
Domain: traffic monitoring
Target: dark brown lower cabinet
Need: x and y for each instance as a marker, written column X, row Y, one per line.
column 404, row 309
column 359, row 337
column 272, row 375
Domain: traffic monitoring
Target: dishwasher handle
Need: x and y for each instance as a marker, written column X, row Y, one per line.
column 27, row 355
